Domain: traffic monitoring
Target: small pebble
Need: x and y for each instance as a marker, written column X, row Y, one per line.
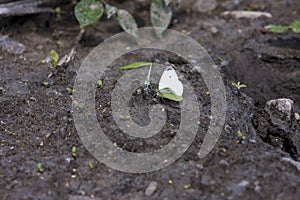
column 243, row 183
column 151, row 188
column 224, row 163
column 297, row 116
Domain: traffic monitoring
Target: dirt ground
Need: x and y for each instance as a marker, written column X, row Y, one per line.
column 37, row 124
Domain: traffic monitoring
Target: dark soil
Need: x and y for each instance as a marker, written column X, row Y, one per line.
column 36, row 122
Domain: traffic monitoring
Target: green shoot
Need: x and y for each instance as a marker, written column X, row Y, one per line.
column 51, row 58
column 135, row 65
column 70, row 90
column 40, row 167
column 99, row 83
column 74, row 151
column 240, row 135
column 238, row 85
column 90, row 164
column 45, row 83
column 124, row 117
column 11, row 133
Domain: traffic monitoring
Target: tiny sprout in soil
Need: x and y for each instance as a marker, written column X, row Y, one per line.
column 45, row 83
column 51, row 58
column 91, row 165
column 74, row 152
column 70, row 90
column 238, row 85
column 99, row 83
column 40, row 167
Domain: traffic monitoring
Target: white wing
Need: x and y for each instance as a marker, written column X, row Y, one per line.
column 169, row 79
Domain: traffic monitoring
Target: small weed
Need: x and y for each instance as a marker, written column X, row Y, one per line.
column 99, row 83
column 295, row 27
column 51, row 58
column 11, row 133
column 238, row 85
column 187, row 186
column 45, row 83
column 91, row 165
column 40, row 167
column 74, row 151
column 70, row 90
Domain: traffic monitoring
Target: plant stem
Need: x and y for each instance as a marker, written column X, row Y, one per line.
column 147, row 81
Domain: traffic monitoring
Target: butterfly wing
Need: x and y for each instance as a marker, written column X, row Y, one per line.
column 169, row 79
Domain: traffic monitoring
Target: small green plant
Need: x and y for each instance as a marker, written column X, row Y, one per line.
column 45, row 83
column 51, row 58
column 99, row 83
column 294, row 26
column 70, row 90
column 40, row 167
column 238, row 85
column 241, row 135
column 187, row 186
column 11, row 133
column 74, row 154
column 91, row 165
column 88, row 12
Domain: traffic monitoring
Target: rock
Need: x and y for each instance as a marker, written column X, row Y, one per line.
column 224, row 163
column 151, row 188
column 280, row 111
column 11, row 46
column 277, row 125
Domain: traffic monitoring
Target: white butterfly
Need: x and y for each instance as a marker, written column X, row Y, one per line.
column 170, row 84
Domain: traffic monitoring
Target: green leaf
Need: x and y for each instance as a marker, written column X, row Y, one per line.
column 74, row 152
column 99, row 83
column 160, row 16
column 277, row 28
column 295, row 26
column 70, row 90
column 91, row 165
column 110, row 10
column 45, row 83
column 54, row 57
column 135, row 65
column 127, row 22
column 88, row 12
column 40, row 167
column 167, row 93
